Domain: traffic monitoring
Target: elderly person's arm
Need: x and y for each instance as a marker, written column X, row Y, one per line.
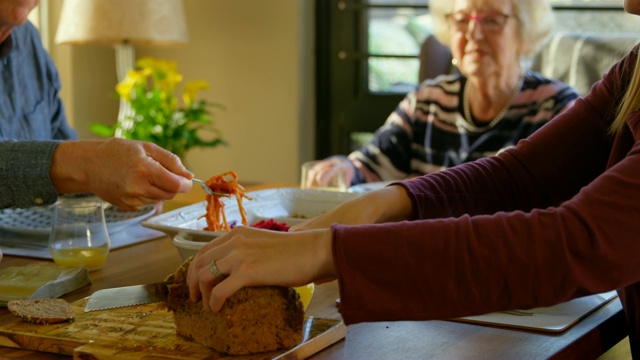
column 386, row 157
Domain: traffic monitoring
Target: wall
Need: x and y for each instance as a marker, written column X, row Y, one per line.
column 258, row 58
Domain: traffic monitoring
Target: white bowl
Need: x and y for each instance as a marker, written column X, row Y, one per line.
column 189, row 244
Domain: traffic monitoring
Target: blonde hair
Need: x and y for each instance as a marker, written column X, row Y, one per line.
column 535, row 22
column 630, row 99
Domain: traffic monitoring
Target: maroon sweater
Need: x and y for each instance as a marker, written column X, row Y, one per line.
column 565, row 223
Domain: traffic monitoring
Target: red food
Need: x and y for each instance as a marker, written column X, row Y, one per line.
column 271, row 224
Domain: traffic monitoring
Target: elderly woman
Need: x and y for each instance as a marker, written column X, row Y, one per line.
column 452, row 119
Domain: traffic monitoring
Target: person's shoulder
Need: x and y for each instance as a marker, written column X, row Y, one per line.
column 629, row 61
column 26, row 40
column 26, row 32
column 444, row 79
column 536, row 81
column 440, row 85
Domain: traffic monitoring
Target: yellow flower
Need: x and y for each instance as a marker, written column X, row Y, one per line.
column 167, row 83
column 146, row 63
column 191, row 89
column 158, row 114
column 157, row 65
column 125, row 87
column 165, row 73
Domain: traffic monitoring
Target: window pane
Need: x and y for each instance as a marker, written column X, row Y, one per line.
column 397, row 31
column 393, row 75
column 398, row 2
column 587, row 2
column 553, row 2
column 359, row 139
column 596, row 21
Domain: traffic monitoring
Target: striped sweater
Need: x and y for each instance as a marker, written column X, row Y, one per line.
column 428, row 132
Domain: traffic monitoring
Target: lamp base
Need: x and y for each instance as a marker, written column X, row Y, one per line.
column 125, row 61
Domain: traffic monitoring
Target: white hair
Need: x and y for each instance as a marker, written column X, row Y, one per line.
column 535, row 18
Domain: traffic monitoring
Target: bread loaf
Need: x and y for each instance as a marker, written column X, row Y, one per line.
column 42, row 311
column 253, row 320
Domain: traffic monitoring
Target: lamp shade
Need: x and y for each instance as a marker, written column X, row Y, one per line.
column 108, row 22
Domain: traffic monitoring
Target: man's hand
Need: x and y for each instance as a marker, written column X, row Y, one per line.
column 126, row 173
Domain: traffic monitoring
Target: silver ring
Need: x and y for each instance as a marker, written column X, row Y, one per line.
column 215, row 271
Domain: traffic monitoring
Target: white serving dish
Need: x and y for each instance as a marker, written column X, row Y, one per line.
column 289, row 205
column 368, row 187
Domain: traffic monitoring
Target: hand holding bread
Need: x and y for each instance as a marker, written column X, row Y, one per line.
column 256, row 257
column 253, row 320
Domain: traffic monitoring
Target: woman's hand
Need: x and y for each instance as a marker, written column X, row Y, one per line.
column 256, row 257
column 126, row 173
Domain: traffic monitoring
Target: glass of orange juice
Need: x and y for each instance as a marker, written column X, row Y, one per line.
column 79, row 234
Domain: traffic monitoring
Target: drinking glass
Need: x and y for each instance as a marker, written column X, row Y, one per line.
column 79, row 234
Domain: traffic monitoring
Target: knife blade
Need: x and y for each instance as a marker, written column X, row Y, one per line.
column 126, row 296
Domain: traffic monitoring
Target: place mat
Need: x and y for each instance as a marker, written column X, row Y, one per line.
column 37, row 246
column 37, row 220
column 40, row 281
column 555, row 318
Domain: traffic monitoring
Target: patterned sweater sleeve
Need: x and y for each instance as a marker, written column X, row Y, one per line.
column 24, row 173
column 388, row 155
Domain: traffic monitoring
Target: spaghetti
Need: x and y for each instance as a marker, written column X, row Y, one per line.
column 224, row 183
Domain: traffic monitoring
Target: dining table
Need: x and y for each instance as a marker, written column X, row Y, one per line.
column 151, row 261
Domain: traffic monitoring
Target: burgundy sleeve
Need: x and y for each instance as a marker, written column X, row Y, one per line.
column 542, row 223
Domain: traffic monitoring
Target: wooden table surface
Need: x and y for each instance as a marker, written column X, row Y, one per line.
column 153, row 260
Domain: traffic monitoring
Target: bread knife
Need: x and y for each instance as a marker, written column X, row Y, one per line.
column 127, row 296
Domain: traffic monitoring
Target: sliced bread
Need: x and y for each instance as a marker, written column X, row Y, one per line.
column 253, row 320
column 42, row 311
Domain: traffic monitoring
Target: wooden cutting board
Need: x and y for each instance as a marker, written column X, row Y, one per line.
column 144, row 332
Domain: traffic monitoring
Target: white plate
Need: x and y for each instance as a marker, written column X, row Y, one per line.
column 367, row 187
column 289, row 205
column 37, row 220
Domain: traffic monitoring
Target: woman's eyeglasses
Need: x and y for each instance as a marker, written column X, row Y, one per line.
column 493, row 22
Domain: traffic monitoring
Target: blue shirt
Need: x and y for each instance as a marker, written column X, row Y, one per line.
column 32, row 120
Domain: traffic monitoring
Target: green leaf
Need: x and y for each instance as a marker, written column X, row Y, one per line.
column 103, row 130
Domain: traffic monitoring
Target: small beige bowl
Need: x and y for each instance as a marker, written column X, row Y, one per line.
column 188, row 244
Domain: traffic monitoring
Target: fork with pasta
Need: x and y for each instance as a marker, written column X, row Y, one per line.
column 227, row 184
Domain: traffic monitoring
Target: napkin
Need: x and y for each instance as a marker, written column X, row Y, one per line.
column 40, row 281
